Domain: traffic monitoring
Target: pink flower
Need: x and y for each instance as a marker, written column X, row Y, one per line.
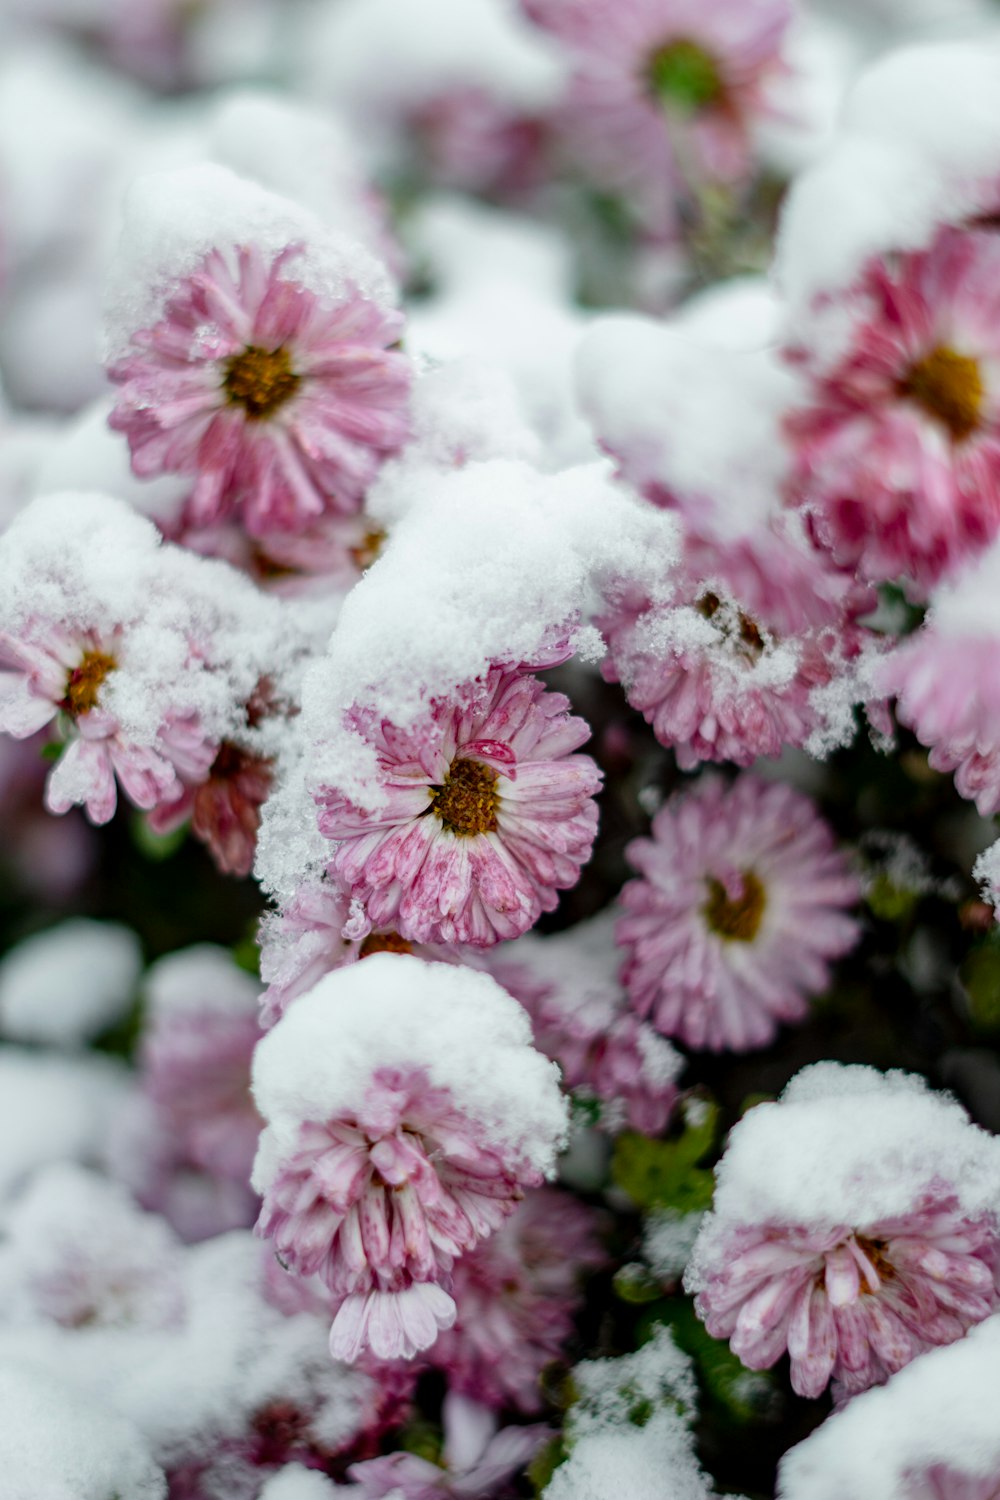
column 738, row 912
column 852, row 1304
column 664, row 91
column 405, row 1148
column 517, row 1296
column 195, row 1055
column 476, row 1463
column 279, row 403
column 898, row 456
column 581, row 1018
column 224, row 809
column 380, row 1206
column 317, row 932
column 61, row 675
column 717, row 682
column 486, row 815
column 948, row 693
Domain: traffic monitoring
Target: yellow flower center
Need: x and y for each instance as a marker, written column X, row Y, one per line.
column 684, row 76
column 260, row 380
column 950, row 387
column 466, row 802
column 384, row 942
column 83, row 685
column 738, row 919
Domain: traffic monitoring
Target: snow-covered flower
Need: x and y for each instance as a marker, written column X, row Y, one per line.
column 854, row 1227
column 927, row 1435
column 485, row 815
column 898, row 447
column 406, row 1115
column 717, row 682
column 516, row 1296
column 739, row 909
column 200, row 1032
column 581, row 1018
column 279, row 402
column 663, row 92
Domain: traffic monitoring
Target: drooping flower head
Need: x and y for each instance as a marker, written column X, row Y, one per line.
column 854, row 1227
column 397, row 1143
column 738, row 911
column 485, row 815
column 276, row 391
column 927, row 1435
column 663, row 92
column 898, row 444
column 516, row 1296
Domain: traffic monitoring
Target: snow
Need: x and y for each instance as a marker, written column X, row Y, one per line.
column 495, row 276
column 193, row 1385
column 938, row 1410
column 198, row 981
column 69, row 983
column 296, row 1483
column 87, row 455
column 918, row 147
column 850, row 1145
column 80, row 1252
column 629, row 1429
column 56, row 1443
column 653, row 1462
column 54, row 1109
column 396, row 1011
column 172, row 219
column 690, row 414
column 389, row 56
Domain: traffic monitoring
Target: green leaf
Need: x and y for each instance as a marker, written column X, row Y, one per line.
column 545, row 1464
column 664, row 1174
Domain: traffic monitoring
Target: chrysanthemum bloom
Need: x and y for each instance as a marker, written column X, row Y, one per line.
column 195, row 1055
column 59, row 676
column 854, row 1227
column 581, row 1018
column 739, row 910
column 718, row 683
column 486, row 816
column 280, row 404
column 517, row 1295
column 898, row 454
column 317, row 931
column 407, row 1114
column 663, row 92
